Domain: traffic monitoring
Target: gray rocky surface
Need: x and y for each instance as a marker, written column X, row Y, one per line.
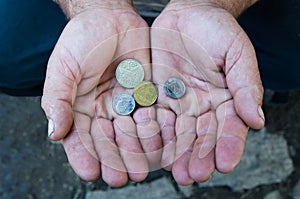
column 265, row 161
column 161, row 188
column 297, row 190
column 187, row 191
column 34, row 168
column 30, row 165
column 273, row 195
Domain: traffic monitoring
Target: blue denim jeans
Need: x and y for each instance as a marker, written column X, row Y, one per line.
column 274, row 29
column 28, row 32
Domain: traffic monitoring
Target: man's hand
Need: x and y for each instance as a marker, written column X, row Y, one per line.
column 80, row 86
column 203, row 45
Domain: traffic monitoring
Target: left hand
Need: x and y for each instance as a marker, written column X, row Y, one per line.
column 206, row 129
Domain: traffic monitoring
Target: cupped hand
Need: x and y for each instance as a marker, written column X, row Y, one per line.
column 78, row 93
column 206, row 129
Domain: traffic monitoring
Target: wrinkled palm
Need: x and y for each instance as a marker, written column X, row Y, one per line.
column 205, row 129
column 78, row 93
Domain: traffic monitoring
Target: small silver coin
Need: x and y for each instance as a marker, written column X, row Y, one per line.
column 174, row 88
column 123, row 104
column 130, row 73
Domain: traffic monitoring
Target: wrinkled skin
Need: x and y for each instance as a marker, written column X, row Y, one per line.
column 203, row 131
column 207, row 128
column 78, row 93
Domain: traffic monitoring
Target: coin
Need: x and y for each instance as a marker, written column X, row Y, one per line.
column 145, row 93
column 174, row 88
column 130, row 73
column 123, row 104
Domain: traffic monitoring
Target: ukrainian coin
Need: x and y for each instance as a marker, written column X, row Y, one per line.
column 130, row 73
column 145, row 94
column 123, row 104
column 174, row 88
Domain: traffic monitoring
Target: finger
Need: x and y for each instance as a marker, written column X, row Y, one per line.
column 148, row 132
column 113, row 169
column 59, row 91
column 202, row 163
column 232, row 133
column 166, row 120
column 180, row 169
column 244, row 82
column 130, row 148
column 80, row 150
column 185, row 134
column 73, row 71
column 146, row 128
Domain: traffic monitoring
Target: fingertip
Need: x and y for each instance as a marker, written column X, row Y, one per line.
column 251, row 113
column 80, row 157
column 89, row 175
column 61, row 129
column 113, row 177
column 86, row 167
column 229, row 152
column 225, row 167
column 180, row 170
column 198, row 172
column 50, row 127
column 253, row 116
column 138, row 177
column 201, row 169
column 261, row 114
column 182, row 178
column 60, row 120
column 130, row 149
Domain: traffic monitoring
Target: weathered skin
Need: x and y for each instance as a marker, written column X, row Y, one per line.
column 203, row 131
column 206, row 129
column 78, row 95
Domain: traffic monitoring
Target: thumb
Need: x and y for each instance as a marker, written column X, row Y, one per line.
column 59, row 92
column 244, row 81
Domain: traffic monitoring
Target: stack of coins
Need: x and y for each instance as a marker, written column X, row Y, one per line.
column 130, row 74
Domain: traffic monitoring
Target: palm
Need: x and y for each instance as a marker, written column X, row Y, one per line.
column 81, row 74
column 206, row 48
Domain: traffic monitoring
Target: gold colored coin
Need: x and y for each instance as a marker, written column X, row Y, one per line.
column 145, row 93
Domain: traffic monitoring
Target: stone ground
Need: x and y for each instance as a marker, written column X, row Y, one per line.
column 32, row 167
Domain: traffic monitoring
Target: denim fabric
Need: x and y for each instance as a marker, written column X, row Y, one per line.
column 274, row 29
column 28, row 33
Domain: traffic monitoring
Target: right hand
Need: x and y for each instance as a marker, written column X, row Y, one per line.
column 79, row 88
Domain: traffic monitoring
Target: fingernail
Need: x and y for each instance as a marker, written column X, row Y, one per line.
column 261, row 113
column 50, row 127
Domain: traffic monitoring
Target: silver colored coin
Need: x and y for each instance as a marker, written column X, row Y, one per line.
column 130, row 73
column 123, row 104
column 174, row 88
